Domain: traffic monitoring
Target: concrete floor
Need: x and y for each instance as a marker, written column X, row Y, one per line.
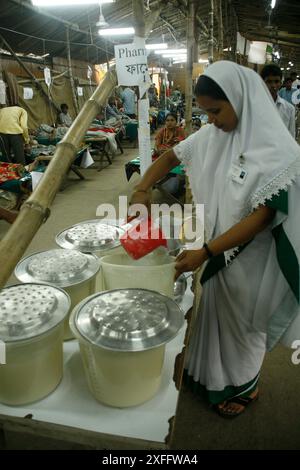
column 271, row 423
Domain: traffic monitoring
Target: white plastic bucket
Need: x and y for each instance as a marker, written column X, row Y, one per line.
column 121, row 379
column 152, row 272
column 33, row 368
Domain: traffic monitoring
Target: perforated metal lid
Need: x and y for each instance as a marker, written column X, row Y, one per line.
column 60, row 267
column 128, row 319
column 90, row 236
column 29, row 310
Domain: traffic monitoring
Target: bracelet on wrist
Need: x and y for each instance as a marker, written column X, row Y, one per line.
column 208, row 251
column 141, row 191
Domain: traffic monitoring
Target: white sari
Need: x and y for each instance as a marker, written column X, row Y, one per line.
column 253, row 302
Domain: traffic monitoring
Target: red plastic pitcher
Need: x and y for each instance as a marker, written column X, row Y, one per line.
column 142, row 238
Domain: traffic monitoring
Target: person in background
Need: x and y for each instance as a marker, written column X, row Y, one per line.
column 13, row 133
column 64, row 118
column 153, row 97
column 128, row 98
column 111, row 110
column 176, row 94
column 287, row 91
column 169, row 135
column 244, row 167
column 272, row 76
column 296, row 81
column 196, row 125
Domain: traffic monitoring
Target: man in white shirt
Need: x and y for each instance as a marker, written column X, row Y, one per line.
column 128, row 98
column 64, row 118
column 272, row 76
column 296, row 81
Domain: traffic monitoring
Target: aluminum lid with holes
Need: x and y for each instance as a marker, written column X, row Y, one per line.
column 90, row 236
column 30, row 310
column 60, row 267
column 128, row 319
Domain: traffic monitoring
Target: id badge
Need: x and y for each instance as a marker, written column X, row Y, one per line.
column 238, row 174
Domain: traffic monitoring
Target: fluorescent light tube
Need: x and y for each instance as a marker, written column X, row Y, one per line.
column 151, row 47
column 115, row 31
column 55, row 3
column 273, row 3
column 172, row 51
column 175, row 56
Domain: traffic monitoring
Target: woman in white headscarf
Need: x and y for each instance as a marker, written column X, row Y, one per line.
column 245, row 169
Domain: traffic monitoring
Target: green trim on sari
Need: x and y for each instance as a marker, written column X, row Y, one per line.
column 279, row 202
column 213, row 396
column 286, row 256
column 217, row 263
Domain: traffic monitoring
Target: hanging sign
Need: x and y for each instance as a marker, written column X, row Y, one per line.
column 89, row 72
column 2, row 92
column 47, row 76
column 27, row 93
column 257, row 52
column 131, row 63
column 79, row 91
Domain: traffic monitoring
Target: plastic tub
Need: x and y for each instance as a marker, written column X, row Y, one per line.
column 32, row 324
column 33, row 368
column 122, row 336
column 122, row 379
column 154, row 271
column 73, row 271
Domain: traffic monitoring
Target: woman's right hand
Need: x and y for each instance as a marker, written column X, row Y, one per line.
column 141, row 197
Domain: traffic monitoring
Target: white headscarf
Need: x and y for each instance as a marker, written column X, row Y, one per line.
column 270, row 154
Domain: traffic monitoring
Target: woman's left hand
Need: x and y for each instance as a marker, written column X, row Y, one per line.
column 189, row 261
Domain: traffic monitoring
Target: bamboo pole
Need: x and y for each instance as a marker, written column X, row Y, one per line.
column 211, row 33
column 36, row 209
column 189, row 65
column 36, row 82
column 75, row 102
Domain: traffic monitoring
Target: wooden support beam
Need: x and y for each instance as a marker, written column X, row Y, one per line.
column 211, row 33
column 151, row 19
column 139, row 18
column 24, row 67
column 220, row 28
column 189, row 65
column 74, row 96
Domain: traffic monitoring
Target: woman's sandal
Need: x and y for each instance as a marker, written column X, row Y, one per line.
column 242, row 401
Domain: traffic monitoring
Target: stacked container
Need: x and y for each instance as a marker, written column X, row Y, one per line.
column 71, row 270
column 122, row 336
column 31, row 328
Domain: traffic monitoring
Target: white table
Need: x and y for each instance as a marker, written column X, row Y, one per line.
column 72, row 404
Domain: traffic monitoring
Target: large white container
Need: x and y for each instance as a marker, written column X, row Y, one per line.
column 122, row 336
column 155, row 271
column 31, row 326
column 93, row 236
column 71, row 270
